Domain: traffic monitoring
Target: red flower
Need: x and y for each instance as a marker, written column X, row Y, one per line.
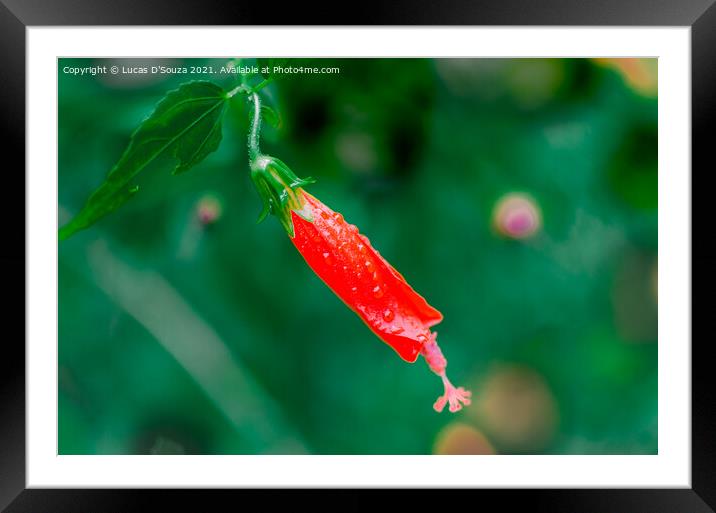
column 350, row 266
column 345, row 260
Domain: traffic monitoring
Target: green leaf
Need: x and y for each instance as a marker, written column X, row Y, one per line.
column 185, row 124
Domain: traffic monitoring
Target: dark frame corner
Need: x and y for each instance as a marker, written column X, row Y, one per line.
column 17, row 15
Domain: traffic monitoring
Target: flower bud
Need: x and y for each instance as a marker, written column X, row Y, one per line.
column 209, row 209
column 517, row 216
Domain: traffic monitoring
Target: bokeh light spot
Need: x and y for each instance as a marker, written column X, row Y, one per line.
column 517, row 409
column 460, row 438
column 517, row 216
column 640, row 74
column 209, row 209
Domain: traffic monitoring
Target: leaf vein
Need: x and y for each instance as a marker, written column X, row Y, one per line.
column 171, row 140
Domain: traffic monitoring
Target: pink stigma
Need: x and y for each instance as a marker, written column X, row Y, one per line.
column 456, row 397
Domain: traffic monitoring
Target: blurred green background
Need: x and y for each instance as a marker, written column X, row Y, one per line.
column 519, row 196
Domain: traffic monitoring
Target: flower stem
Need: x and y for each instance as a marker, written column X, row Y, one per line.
column 262, row 84
column 255, row 128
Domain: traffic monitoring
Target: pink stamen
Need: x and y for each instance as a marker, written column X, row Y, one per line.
column 456, row 397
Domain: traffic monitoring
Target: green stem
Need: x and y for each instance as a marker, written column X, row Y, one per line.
column 255, row 129
column 274, row 180
column 244, row 78
column 262, row 84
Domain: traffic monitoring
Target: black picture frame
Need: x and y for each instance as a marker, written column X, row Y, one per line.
column 17, row 15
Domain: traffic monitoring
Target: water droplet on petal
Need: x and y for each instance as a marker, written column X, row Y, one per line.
column 388, row 315
column 354, row 289
column 361, row 247
column 397, row 330
column 369, row 266
column 377, row 291
column 338, row 217
column 325, row 215
column 327, row 258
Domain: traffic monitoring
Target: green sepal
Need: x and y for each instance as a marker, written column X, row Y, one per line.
column 278, row 186
column 271, row 116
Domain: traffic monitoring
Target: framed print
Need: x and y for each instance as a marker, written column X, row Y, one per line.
column 524, row 191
